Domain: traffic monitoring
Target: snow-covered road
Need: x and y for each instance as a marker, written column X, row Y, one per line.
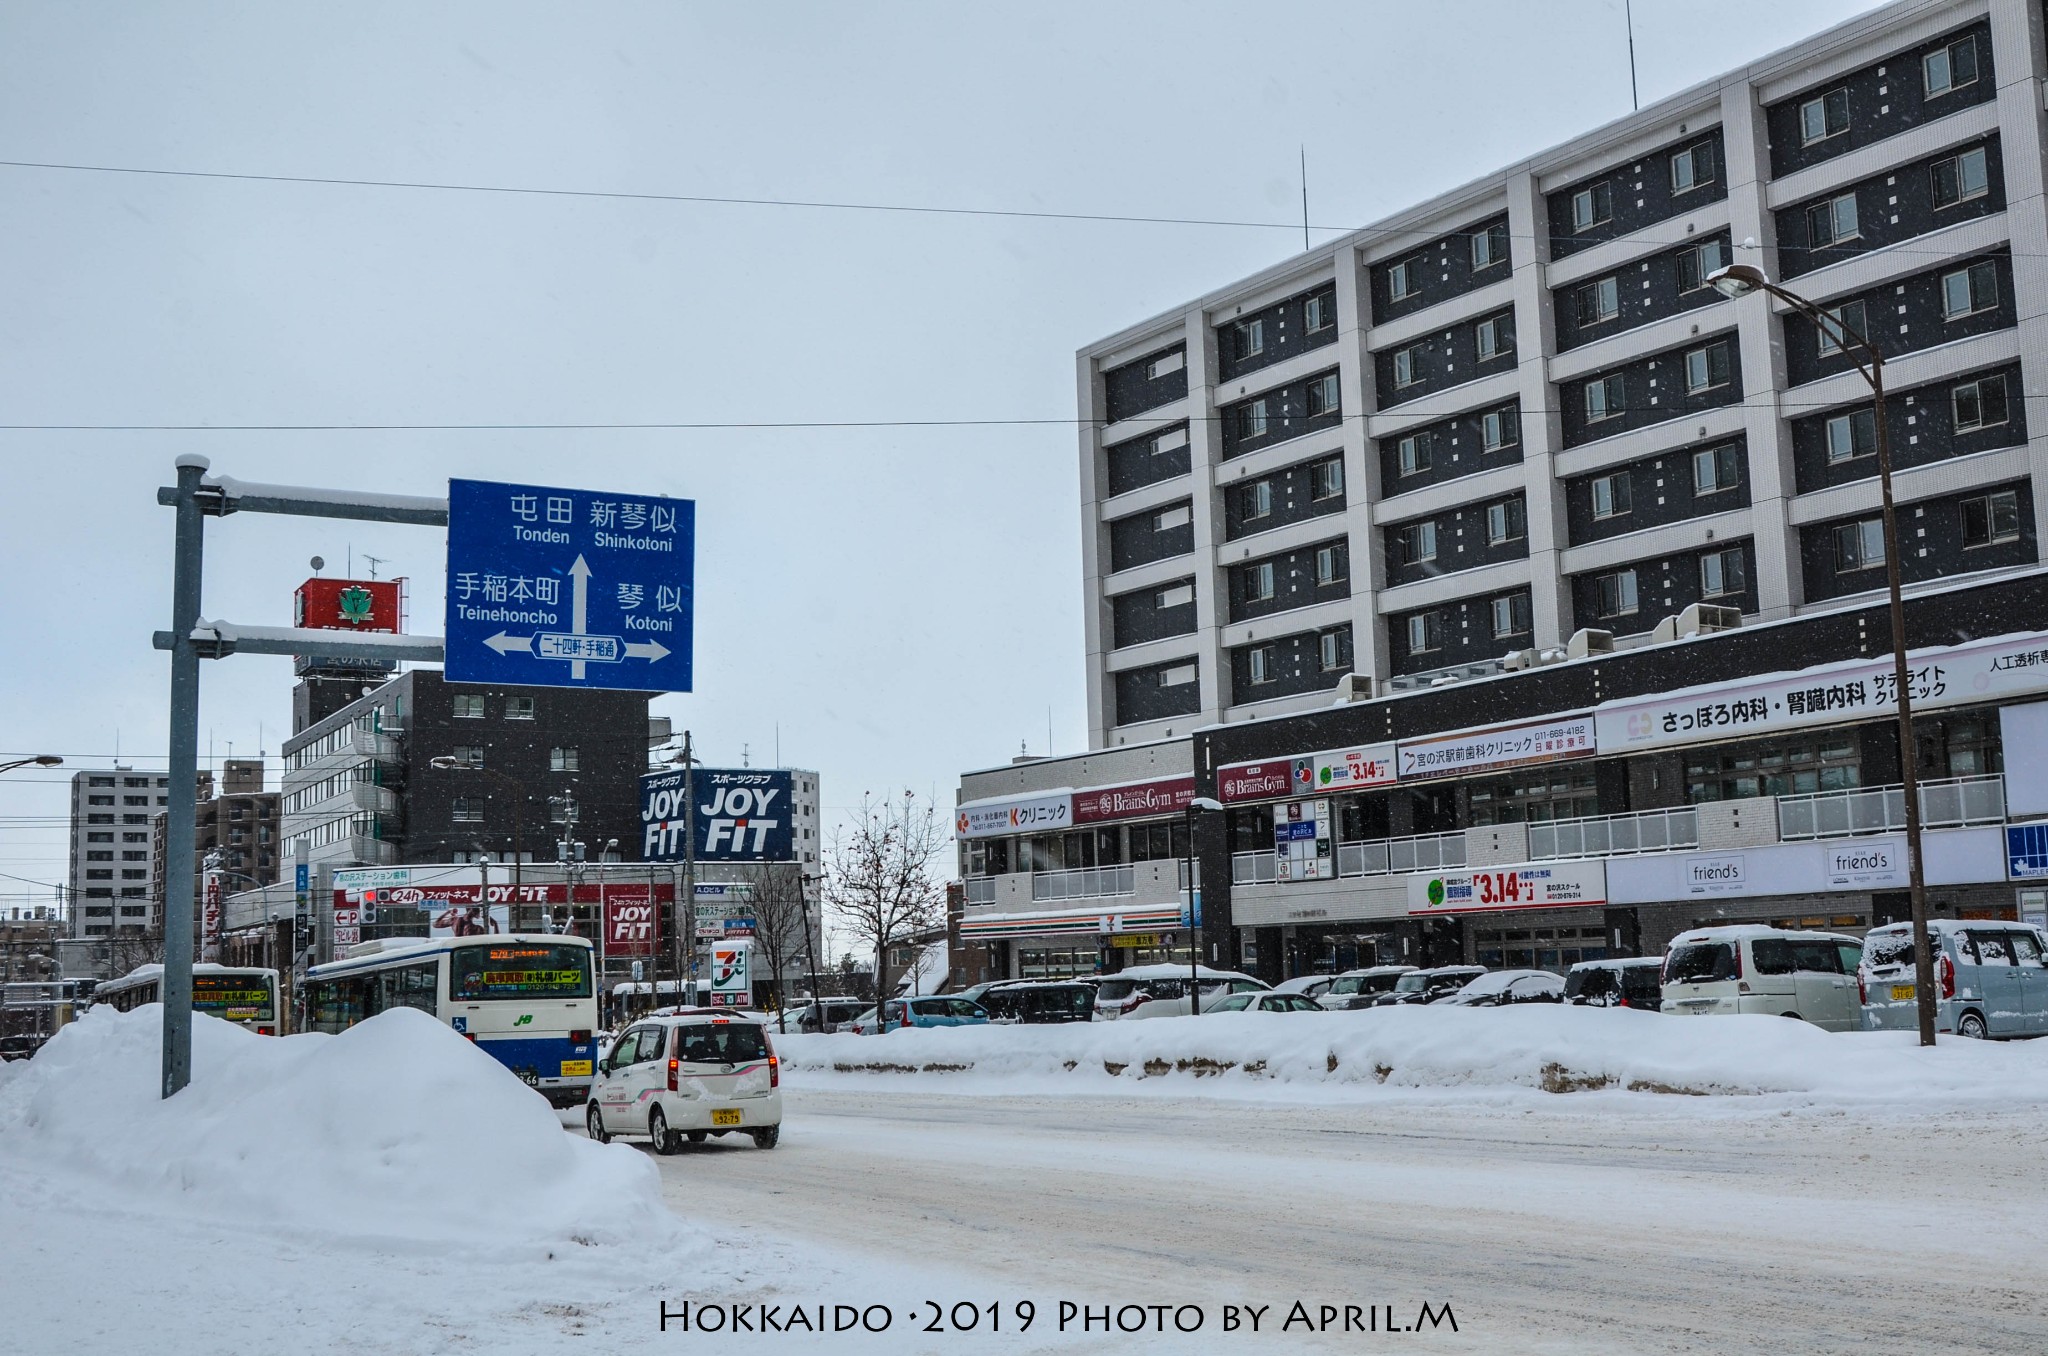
column 1600, row 1222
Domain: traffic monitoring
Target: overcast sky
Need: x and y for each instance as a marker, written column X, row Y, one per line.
column 903, row 603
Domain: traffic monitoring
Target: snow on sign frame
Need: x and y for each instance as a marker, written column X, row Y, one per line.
column 569, row 588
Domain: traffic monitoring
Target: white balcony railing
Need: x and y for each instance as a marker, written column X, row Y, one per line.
column 1614, row 835
column 1384, row 856
column 1949, row 803
column 1088, row 882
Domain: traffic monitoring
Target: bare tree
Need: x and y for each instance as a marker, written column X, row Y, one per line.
column 127, row 950
column 879, row 877
column 781, row 928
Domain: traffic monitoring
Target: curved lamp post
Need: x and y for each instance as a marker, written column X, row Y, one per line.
column 1739, row 280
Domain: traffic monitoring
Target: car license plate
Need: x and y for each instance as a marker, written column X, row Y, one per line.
column 1901, row 992
column 530, row 1077
column 725, row 1117
column 575, row 1068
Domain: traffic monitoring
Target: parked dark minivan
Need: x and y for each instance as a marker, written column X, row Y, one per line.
column 1637, row 982
column 1035, row 1002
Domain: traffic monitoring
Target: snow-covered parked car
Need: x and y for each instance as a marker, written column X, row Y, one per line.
column 1746, row 968
column 1634, row 982
column 1360, row 988
column 932, row 1011
column 1426, row 986
column 1162, row 990
column 1270, row 1001
column 1503, row 988
column 1308, row 986
column 1990, row 978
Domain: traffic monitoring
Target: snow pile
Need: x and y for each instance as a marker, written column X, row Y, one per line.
column 1553, row 1048
column 396, row 1129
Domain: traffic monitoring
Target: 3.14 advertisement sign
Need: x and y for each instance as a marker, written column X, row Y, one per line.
column 1565, row 884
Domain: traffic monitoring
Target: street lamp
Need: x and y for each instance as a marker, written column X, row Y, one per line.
column 40, row 760
column 1194, row 911
column 1738, row 280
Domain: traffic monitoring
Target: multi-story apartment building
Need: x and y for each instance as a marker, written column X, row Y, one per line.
column 112, row 850
column 235, row 824
column 1521, row 600
column 1519, row 411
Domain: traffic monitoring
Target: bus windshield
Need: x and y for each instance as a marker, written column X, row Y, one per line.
column 519, row 970
column 238, row 998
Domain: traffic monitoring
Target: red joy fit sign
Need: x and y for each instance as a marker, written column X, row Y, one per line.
column 631, row 924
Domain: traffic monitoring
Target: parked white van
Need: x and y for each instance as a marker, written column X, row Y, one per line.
column 1809, row 975
column 1990, row 979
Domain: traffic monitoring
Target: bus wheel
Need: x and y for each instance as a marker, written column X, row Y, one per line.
column 766, row 1136
column 658, row 1131
column 594, row 1122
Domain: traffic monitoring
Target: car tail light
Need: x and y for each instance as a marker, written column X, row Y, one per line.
column 675, row 1069
column 1862, row 988
column 774, row 1071
column 1738, row 959
column 1622, row 1001
column 265, row 1031
column 579, row 1038
column 1948, row 978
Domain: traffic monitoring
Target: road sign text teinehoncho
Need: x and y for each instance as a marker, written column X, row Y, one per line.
column 569, row 588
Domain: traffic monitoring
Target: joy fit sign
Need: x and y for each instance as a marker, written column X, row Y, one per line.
column 743, row 815
column 1563, row 885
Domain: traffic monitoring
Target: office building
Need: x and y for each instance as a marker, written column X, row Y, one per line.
column 112, row 850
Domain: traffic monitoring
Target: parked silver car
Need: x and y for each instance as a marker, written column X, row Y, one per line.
column 1990, row 978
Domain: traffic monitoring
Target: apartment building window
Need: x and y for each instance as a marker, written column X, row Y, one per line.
column 1322, row 396
column 1824, row 117
column 1490, row 246
column 1618, row 593
column 1424, row 633
column 1418, row 542
column 1692, row 167
column 135, row 800
column 103, row 781
column 1167, row 519
column 1330, row 645
column 1721, row 573
column 1411, row 453
column 1859, row 546
column 1177, row 595
column 1969, row 290
column 1599, row 301
column 134, row 856
column 1951, row 67
column 1264, row 664
column 1505, row 521
column 99, row 819
column 519, row 708
column 1258, row 582
column 463, row 810
column 1498, row 429
column 128, row 874
column 132, row 837
column 99, row 838
column 469, row 755
column 1991, row 519
column 1706, row 368
column 1404, row 365
column 1318, row 313
column 106, row 873
column 469, row 706
column 1715, row 469
column 1854, row 435
column 1329, row 564
column 1980, row 403
column 1844, row 324
column 1180, row 675
column 562, row 759
column 1400, row 280
column 131, row 819
column 1961, row 177
column 1833, row 221
column 1611, row 495
column 1698, row 264
column 1592, row 206
column 1326, row 480
column 103, row 856
column 1256, row 499
column 1603, row 398
column 1493, row 342
column 1165, row 365
column 1251, row 419
column 1511, row 616
column 1251, row 338
column 99, row 800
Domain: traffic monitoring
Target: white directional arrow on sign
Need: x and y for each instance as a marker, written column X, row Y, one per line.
column 579, row 609
column 578, row 646
column 505, row 644
column 646, row 649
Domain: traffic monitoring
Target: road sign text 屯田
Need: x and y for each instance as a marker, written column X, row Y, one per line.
column 569, row 588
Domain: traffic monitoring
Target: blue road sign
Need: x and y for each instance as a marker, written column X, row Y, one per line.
column 569, row 588
column 2026, row 851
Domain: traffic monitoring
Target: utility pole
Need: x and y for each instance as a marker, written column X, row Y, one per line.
column 688, row 983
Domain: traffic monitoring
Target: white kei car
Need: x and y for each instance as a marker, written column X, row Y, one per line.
column 686, row 1076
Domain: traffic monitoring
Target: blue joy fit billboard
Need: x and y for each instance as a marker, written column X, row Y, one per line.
column 743, row 815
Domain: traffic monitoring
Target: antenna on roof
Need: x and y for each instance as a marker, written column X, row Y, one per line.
column 373, row 562
column 1629, row 13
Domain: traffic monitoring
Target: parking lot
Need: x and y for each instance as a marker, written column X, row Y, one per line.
column 1609, row 1224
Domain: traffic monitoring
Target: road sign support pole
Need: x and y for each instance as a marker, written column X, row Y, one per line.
column 690, row 862
column 187, row 563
